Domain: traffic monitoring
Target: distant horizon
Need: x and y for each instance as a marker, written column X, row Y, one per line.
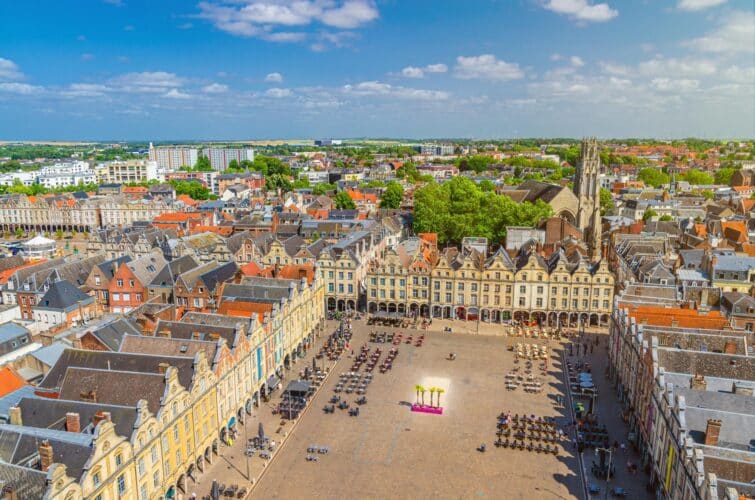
column 294, row 141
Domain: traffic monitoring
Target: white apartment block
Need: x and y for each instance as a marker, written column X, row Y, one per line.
column 52, row 181
column 173, row 157
column 221, row 158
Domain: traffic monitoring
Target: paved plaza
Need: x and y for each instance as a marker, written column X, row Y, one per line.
column 390, row 452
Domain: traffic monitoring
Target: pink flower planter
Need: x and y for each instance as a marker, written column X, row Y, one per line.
column 435, row 410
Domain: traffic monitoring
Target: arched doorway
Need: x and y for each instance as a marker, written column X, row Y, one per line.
column 371, row 307
column 505, row 315
column 350, row 306
column 331, row 304
column 563, row 320
column 495, row 316
column 461, row 313
column 594, row 319
column 391, row 307
column 401, row 308
column 485, row 315
column 413, row 308
column 521, row 317
column 382, row 307
column 208, row 455
column 424, row 310
column 341, row 305
column 437, row 312
column 604, row 318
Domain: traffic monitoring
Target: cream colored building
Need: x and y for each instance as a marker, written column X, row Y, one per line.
column 468, row 285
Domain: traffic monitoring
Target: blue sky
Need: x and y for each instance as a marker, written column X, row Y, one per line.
column 257, row 69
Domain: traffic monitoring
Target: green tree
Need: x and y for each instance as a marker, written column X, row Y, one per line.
column 301, row 183
column 606, row 201
column 315, row 236
column 648, row 214
column 344, row 202
column 19, row 233
column 323, row 188
column 203, row 164
column 708, row 194
column 392, row 196
column 653, row 177
column 59, row 234
column 665, row 218
column 486, row 185
column 278, row 181
column 723, row 175
column 233, row 165
column 698, row 177
column 193, row 189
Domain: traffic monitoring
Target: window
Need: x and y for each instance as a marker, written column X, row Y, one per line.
column 118, row 460
column 121, row 484
column 126, row 296
column 197, row 302
column 139, row 297
column 373, row 281
column 178, row 457
column 460, row 298
column 449, row 285
column 474, row 287
column 522, row 289
column 436, row 297
column 156, row 479
column 373, row 293
column 540, row 289
column 448, row 297
column 437, row 285
column 143, row 492
column 153, row 452
column 539, row 302
column 521, row 302
column 140, row 467
column 508, row 288
column 96, row 478
column 460, row 287
column 554, row 290
column 565, row 290
column 605, row 304
column 97, row 279
column 131, row 283
column 553, row 303
column 119, row 282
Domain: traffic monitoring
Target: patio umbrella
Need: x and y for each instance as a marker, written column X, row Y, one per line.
column 215, row 490
column 314, row 364
column 586, row 385
column 261, row 432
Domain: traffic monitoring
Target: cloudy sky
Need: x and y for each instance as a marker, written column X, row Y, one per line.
column 255, row 69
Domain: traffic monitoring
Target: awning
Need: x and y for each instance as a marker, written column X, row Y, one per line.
column 232, row 422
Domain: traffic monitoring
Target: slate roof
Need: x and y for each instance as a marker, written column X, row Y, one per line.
column 10, row 331
column 212, row 320
column 49, row 354
column 28, row 483
column 63, row 296
column 178, row 347
column 110, row 334
column 168, row 274
column 109, row 267
column 114, row 387
column 185, row 330
column 147, row 267
column 51, row 414
column 19, row 445
column 104, row 360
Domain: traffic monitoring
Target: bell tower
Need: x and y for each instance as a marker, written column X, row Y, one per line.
column 587, row 190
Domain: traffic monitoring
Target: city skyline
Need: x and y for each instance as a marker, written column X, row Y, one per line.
column 124, row 69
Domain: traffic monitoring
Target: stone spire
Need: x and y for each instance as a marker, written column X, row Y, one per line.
column 587, row 191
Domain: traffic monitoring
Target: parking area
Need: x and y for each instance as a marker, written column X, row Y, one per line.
column 388, row 451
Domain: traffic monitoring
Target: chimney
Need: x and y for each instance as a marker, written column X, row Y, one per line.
column 741, row 388
column 73, row 422
column 76, row 343
column 698, row 383
column 9, row 492
column 712, row 430
column 14, row 412
column 100, row 416
column 46, row 456
column 162, row 368
column 88, row 396
column 730, row 347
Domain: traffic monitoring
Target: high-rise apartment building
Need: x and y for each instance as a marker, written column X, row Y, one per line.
column 173, row 157
column 220, row 158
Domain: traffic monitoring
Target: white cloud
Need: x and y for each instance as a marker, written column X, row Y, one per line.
column 176, row 94
column 147, row 82
column 582, row 10
column 259, row 18
column 735, row 34
column 694, row 5
column 374, row 88
column 215, row 88
column 556, row 57
column 415, row 72
column 412, row 72
column 576, row 61
column 619, row 83
column 674, row 85
column 436, row 68
column 274, row 77
column 675, row 67
column 740, row 75
column 278, row 93
column 19, row 88
column 486, row 67
column 86, row 90
column 614, row 69
column 9, row 70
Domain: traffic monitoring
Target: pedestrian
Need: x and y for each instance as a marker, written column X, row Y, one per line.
column 623, row 448
column 591, row 347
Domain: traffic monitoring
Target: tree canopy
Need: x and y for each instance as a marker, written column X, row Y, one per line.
column 653, row 177
column 723, row 175
column 698, row 177
column 392, row 196
column 459, row 208
column 606, row 201
column 323, row 188
column 193, row 189
column 343, row 201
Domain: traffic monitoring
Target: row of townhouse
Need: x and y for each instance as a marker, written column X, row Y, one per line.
column 685, row 379
column 415, row 278
column 138, row 414
column 69, row 212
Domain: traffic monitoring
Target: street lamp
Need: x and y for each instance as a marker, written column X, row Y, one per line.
column 608, row 471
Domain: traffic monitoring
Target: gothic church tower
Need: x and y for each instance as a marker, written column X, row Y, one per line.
column 587, row 190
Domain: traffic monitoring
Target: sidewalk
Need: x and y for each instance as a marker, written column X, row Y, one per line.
column 608, row 411
column 230, row 466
